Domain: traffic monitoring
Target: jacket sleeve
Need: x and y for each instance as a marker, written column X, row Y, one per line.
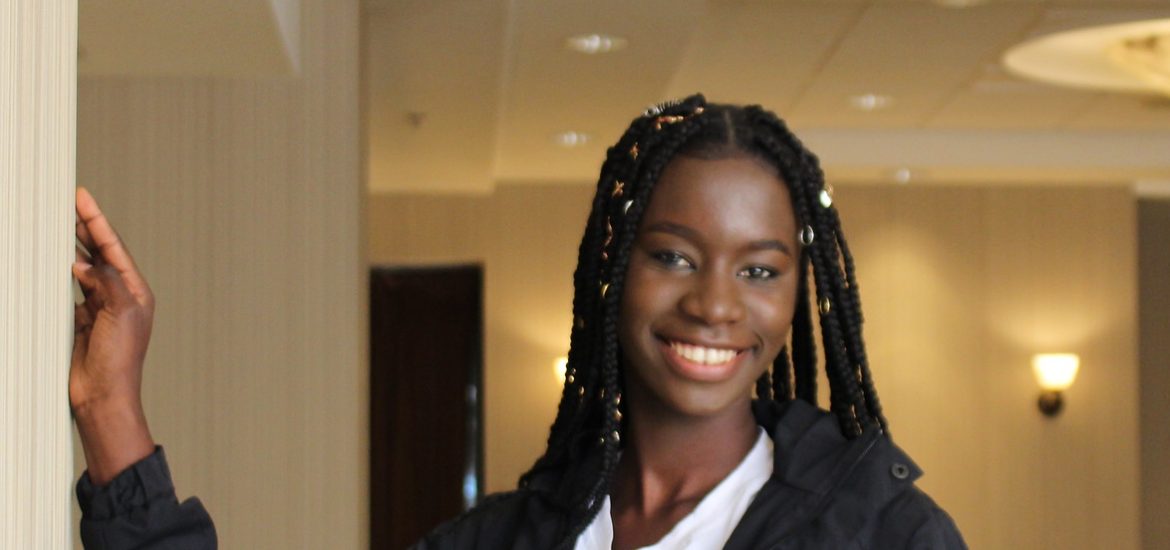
column 939, row 532
column 138, row 509
column 914, row 522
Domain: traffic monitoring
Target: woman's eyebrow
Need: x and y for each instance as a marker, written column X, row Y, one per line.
column 770, row 244
column 693, row 236
column 675, row 229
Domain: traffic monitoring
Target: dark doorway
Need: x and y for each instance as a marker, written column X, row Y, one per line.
column 425, row 382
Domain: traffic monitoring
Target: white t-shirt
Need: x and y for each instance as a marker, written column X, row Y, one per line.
column 710, row 524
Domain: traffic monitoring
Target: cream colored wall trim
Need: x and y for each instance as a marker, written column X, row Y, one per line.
column 38, row 75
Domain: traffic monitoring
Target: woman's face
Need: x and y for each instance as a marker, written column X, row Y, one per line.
column 711, row 285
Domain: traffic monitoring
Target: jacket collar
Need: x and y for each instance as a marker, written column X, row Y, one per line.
column 811, row 454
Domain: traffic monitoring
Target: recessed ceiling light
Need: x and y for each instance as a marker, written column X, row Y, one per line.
column 959, row 3
column 902, row 175
column 871, row 102
column 571, row 139
column 595, row 43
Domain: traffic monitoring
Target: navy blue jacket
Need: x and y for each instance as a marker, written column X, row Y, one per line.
column 138, row 509
column 826, row 492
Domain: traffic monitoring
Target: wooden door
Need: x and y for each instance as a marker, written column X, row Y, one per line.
column 425, row 415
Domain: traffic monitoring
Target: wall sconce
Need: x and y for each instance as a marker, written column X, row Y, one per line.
column 1054, row 372
column 559, row 367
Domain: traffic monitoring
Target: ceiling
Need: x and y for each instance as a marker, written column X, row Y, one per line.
column 463, row 95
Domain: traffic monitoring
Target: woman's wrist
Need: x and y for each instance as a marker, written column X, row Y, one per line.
column 114, row 436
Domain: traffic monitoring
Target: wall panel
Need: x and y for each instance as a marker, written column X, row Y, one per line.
column 961, row 286
column 241, row 200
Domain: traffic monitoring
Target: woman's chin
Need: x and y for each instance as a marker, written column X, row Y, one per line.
column 704, row 403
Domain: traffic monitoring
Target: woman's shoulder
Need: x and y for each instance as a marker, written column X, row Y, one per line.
column 914, row 520
column 830, row 491
column 881, row 485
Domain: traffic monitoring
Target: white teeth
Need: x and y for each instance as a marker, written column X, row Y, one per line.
column 703, row 355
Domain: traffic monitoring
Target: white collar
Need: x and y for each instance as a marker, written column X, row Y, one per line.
column 710, row 524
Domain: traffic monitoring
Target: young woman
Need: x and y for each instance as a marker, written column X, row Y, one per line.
column 692, row 288
column 711, row 240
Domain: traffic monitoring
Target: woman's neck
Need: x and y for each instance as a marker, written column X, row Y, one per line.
column 671, row 462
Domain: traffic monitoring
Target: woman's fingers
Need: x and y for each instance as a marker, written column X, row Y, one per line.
column 81, row 271
column 83, row 236
column 82, row 262
column 104, row 245
column 82, row 327
column 95, row 297
column 82, row 321
column 104, row 288
column 80, row 255
column 94, row 231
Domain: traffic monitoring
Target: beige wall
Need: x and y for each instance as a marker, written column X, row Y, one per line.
column 38, row 66
column 1154, row 352
column 241, row 199
column 961, row 285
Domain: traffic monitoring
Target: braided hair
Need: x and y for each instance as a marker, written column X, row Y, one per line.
column 590, row 410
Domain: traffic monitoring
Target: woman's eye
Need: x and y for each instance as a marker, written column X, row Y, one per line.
column 759, row 272
column 672, row 259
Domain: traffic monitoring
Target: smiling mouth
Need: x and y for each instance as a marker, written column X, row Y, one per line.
column 705, row 356
column 702, row 363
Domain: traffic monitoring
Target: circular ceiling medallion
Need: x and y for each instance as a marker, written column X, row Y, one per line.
column 1129, row 57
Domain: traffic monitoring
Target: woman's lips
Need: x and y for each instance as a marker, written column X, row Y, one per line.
column 701, row 363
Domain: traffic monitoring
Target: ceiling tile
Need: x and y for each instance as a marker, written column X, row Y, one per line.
column 1063, row 16
column 490, row 83
column 918, row 53
column 1008, row 107
column 550, row 89
column 1122, row 111
column 432, row 75
column 761, row 52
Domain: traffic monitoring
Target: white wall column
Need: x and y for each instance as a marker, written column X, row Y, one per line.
column 38, row 83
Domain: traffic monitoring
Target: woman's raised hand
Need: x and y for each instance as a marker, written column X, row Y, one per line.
column 111, row 333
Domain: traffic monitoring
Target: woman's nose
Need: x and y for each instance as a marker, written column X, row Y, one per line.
column 713, row 299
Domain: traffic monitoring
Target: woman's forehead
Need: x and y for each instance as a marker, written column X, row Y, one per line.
column 736, row 192
column 717, row 177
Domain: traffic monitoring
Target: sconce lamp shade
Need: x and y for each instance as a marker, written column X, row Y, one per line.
column 1055, row 372
column 559, row 367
